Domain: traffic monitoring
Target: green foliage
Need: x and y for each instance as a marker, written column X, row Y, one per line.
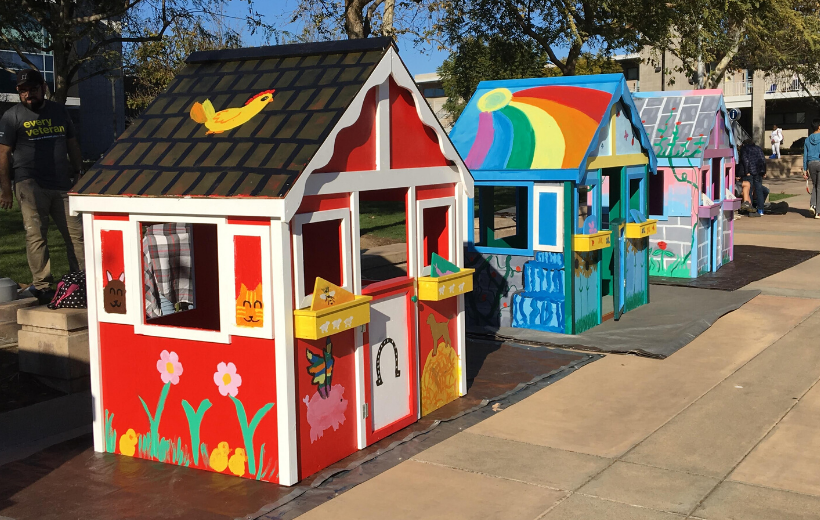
column 483, row 59
column 554, row 25
column 91, row 35
column 110, row 433
column 153, row 64
column 248, row 429
column 157, row 449
column 194, row 423
column 478, row 59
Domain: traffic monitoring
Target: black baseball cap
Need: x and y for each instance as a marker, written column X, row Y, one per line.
column 29, row 77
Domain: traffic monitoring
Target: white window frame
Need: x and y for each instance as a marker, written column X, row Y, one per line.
column 300, row 220
column 227, row 264
column 226, row 289
column 557, row 188
column 132, row 266
column 450, row 204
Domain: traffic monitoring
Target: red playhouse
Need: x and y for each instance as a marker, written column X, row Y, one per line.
column 230, row 326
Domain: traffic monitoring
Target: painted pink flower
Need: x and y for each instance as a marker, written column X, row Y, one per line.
column 662, row 245
column 169, row 367
column 227, row 379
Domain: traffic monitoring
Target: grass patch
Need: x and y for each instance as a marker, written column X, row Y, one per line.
column 383, row 219
column 774, row 197
column 13, row 263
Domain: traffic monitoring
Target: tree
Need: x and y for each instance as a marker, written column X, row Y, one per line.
column 711, row 38
column 579, row 26
column 151, row 65
column 88, row 35
column 477, row 60
column 354, row 19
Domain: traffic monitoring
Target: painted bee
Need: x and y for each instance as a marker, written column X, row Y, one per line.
column 328, row 295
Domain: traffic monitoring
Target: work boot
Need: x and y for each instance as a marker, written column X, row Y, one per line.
column 746, row 207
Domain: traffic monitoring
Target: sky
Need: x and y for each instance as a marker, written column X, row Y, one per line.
column 418, row 60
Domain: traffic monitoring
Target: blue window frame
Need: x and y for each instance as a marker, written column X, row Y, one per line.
column 504, row 211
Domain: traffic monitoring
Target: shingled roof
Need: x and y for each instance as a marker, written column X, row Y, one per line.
column 680, row 123
column 165, row 153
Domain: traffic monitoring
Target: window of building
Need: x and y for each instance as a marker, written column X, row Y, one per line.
column 502, row 216
column 631, row 73
column 13, row 62
column 180, row 274
column 434, row 92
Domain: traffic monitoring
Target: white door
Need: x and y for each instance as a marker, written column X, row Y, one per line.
column 389, row 363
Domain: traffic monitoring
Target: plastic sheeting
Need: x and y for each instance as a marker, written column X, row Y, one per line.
column 674, row 317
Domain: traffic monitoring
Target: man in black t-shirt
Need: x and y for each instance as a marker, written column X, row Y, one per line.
column 39, row 151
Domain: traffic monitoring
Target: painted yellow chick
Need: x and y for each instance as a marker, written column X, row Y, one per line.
column 128, row 442
column 218, row 122
column 219, row 457
column 237, row 462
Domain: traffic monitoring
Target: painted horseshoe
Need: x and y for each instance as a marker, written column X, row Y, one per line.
column 379, row 381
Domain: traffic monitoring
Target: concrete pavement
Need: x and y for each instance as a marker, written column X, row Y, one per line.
column 726, row 428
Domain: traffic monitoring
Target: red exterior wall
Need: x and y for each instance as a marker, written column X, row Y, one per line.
column 132, row 372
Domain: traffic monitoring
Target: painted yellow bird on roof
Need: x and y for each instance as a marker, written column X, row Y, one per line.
column 218, row 122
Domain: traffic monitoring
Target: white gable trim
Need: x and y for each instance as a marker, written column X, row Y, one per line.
column 390, row 65
column 200, row 206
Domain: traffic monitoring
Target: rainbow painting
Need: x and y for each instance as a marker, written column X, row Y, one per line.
column 542, row 128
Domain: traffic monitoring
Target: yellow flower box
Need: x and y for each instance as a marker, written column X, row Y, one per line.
column 592, row 242
column 310, row 324
column 447, row 286
column 642, row 229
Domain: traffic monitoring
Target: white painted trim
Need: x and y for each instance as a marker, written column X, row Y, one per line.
column 372, row 180
column 361, row 398
column 383, row 125
column 131, row 264
column 225, row 286
column 227, row 262
column 449, row 203
column 355, row 243
column 94, row 358
column 461, row 331
column 413, row 268
column 558, row 189
column 284, row 353
column 211, row 206
column 390, row 65
column 299, row 254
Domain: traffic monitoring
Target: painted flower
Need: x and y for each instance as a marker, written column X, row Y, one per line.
column 169, row 367
column 662, row 245
column 227, row 379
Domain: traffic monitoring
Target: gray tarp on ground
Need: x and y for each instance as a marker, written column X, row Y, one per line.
column 675, row 316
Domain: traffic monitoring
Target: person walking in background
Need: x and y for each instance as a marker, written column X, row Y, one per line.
column 811, row 163
column 777, row 138
column 745, row 182
column 37, row 140
column 754, row 164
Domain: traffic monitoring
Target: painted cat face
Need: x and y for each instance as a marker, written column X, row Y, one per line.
column 249, row 307
column 114, row 294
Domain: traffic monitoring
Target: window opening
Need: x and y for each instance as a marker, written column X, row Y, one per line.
column 657, row 192
column 502, row 216
column 383, row 234
column 323, row 253
column 180, row 275
column 586, row 222
column 716, row 169
column 436, row 237
column 634, row 198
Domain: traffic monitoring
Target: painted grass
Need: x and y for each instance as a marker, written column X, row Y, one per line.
column 774, row 197
column 13, row 263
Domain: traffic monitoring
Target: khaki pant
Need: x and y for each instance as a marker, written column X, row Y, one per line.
column 37, row 205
